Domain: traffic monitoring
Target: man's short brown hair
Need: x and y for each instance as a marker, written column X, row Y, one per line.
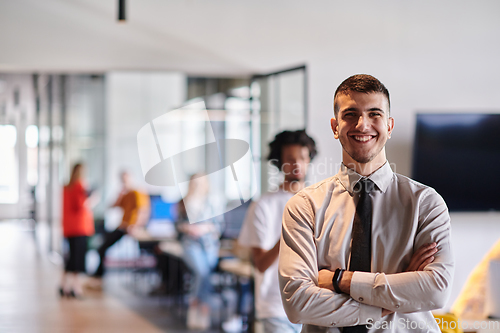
column 362, row 83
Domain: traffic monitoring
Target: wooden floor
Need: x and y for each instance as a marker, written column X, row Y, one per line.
column 29, row 301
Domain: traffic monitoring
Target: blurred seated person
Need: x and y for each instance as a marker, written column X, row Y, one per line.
column 136, row 209
column 471, row 302
column 200, row 242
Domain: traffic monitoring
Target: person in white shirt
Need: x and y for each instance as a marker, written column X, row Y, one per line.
column 411, row 260
column 291, row 152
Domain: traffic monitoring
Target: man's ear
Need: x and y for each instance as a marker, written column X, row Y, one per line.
column 335, row 128
column 390, row 126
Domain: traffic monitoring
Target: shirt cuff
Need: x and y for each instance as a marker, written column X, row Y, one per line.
column 369, row 314
column 362, row 286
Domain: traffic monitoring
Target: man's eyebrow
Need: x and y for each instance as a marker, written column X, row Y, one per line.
column 355, row 109
column 349, row 109
column 376, row 109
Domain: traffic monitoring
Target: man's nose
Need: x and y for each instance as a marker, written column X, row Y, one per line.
column 362, row 124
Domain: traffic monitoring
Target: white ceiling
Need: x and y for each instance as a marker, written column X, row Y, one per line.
column 221, row 37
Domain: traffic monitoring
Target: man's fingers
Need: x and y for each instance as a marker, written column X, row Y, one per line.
column 422, row 257
column 423, row 253
column 425, row 248
column 428, row 253
column 425, row 263
column 413, row 264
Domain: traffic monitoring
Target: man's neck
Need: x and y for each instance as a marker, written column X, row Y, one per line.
column 364, row 169
column 293, row 186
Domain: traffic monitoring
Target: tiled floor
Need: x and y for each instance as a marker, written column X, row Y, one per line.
column 29, row 302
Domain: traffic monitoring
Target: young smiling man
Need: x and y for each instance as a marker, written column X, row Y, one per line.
column 409, row 266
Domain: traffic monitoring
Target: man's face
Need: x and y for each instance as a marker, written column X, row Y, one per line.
column 125, row 179
column 295, row 159
column 363, row 126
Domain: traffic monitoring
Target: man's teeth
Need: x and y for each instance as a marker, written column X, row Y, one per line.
column 362, row 138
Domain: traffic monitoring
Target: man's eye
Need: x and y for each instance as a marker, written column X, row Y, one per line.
column 376, row 114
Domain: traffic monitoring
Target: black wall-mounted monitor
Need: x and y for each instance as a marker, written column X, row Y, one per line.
column 459, row 156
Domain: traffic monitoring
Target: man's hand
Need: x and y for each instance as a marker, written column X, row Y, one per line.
column 325, row 279
column 422, row 257
column 345, row 282
column 133, row 230
column 386, row 312
column 192, row 230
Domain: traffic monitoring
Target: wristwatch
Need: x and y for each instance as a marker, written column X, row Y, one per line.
column 336, row 279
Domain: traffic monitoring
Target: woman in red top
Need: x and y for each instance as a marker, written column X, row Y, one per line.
column 78, row 224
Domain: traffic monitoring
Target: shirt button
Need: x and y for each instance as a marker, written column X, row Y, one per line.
column 333, row 323
column 397, row 305
column 361, row 299
column 370, row 320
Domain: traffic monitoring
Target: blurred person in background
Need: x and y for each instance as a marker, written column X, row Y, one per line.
column 78, row 225
column 200, row 242
column 291, row 152
column 471, row 303
column 136, row 209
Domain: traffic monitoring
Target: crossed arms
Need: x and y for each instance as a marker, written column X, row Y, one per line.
column 307, row 294
column 420, row 259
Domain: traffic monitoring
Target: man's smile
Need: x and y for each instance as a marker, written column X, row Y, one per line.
column 362, row 138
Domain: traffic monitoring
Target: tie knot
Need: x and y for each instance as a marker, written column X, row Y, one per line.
column 364, row 185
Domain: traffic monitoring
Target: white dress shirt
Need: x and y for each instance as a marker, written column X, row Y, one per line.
column 317, row 225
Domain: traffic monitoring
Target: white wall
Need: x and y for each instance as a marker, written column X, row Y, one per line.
column 431, row 58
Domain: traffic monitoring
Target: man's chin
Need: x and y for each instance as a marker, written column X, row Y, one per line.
column 294, row 179
column 363, row 159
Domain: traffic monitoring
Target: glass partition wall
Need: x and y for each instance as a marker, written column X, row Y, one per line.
column 71, row 128
column 279, row 102
column 49, row 122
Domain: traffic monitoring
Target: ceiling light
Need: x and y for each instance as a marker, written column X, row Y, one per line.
column 121, row 11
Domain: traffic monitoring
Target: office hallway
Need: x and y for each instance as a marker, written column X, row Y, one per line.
column 29, row 301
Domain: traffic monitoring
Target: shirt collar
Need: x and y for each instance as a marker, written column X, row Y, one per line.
column 381, row 177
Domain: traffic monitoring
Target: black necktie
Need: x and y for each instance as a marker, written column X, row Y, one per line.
column 361, row 246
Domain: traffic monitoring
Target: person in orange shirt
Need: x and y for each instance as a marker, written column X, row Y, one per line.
column 78, row 225
column 136, row 210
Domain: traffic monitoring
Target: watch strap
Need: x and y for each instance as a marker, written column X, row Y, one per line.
column 337, row 276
